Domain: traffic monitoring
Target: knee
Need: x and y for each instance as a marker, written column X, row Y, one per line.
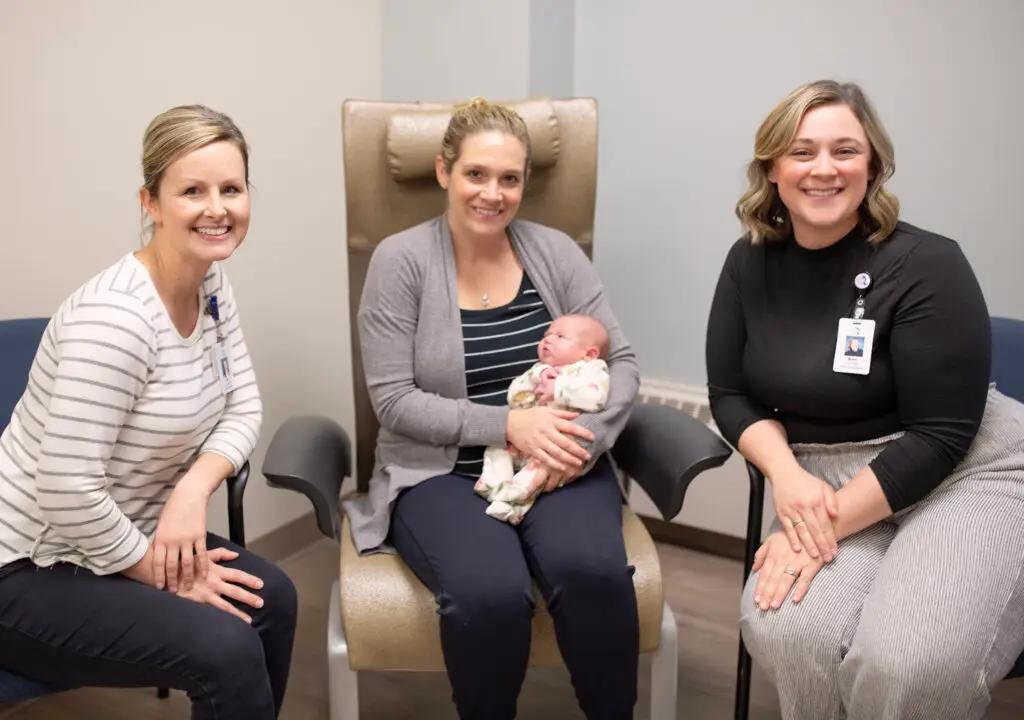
column 902, row 667
column 504, row 604
column 592, row 580
column 280, row 598
column 228, row 652
column 775, row 637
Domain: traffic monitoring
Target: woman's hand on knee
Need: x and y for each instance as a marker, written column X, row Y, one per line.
column 224, row 582
column 549, row 436
column 806, row 507
column 179, row 544
column 781, row 570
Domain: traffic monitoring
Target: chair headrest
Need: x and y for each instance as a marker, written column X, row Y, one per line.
column 413, row 137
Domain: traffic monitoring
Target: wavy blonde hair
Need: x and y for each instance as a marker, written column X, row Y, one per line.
column 761, row 210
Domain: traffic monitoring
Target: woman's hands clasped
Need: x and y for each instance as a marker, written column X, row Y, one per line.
column 807, row 509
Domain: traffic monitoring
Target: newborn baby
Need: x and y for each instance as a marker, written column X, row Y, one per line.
column 571, row 375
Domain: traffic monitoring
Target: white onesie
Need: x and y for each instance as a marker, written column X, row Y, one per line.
column 506, row 477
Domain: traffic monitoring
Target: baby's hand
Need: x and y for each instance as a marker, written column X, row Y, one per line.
column 545, row 391
column 548, row 373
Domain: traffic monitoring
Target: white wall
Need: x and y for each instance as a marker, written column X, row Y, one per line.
column 552, row 48
column 682, row 88
column 453, row 50
column 79, row 83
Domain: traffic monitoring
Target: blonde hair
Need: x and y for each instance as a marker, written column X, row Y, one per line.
column 176, row 132
column 480, row 115
column 761, row 210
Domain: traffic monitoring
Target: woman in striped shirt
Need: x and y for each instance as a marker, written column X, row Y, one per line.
column 141, row 400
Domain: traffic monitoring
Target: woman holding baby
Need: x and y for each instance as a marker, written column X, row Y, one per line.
column 453, row 310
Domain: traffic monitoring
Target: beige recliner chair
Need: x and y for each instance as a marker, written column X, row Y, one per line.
column 381, row 616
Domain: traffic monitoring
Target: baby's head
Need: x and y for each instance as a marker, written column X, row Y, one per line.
column 571, row 338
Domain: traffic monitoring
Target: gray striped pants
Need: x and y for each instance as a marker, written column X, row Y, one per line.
column 919, row 615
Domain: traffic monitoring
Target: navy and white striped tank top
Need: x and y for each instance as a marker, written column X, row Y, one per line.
column 500, row 344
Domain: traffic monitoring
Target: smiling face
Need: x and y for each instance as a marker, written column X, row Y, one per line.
column 485, row 184
column 201, row 209
column 823, row 176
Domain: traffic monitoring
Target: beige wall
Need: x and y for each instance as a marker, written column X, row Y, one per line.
column 79, row 81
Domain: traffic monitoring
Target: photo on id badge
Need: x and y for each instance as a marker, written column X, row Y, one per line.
column 853, row 346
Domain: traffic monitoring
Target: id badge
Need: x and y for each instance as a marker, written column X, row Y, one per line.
column 222, row 367
column 853, row 346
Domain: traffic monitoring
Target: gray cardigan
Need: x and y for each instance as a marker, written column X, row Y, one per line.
column 410, row 333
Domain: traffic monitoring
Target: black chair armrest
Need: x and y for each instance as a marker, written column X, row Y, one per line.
column 663, row 449
column 236, row 511
column 311, row 455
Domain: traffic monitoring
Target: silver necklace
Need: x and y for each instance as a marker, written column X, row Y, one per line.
column 485, row 300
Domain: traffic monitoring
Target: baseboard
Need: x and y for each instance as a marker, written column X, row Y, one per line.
column 288, row 539
column 706, row 541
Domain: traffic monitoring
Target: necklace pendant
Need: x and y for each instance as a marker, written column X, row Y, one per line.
column 485, row 300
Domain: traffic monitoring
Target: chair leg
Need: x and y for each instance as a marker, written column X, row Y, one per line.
column 743, row 684
column 343, row 683
column 665, row 669
column 755, row 509
column 236, row 506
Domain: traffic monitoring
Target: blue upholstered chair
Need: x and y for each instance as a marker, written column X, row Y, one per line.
column 19, row 340
column 1008, row 375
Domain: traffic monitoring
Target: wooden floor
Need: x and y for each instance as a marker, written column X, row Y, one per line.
column 703, row 590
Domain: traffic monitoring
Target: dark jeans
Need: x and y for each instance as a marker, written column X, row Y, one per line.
column 481, row 571
column 69, row 627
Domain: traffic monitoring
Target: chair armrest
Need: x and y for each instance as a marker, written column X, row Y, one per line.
column 663, row 449
column 236, row 511
column 311, row 455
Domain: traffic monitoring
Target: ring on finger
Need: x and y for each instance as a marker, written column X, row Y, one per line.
column 798, row 522
column 791, row 571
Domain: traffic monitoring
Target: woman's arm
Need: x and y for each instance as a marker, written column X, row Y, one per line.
column 766, row 446
column 584, row 295
column 388, row 316
column 99, row 356
column 732, row 408
column 861, row 504
column 234, row 437
column 941, row 347
column 804, row 504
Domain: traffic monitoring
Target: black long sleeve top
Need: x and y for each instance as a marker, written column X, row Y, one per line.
column 771, row 340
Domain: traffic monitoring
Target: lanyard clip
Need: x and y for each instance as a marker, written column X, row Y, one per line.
column 862, row 282
column 212, row 309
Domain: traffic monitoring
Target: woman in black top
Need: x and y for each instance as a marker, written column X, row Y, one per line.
column 848, row 358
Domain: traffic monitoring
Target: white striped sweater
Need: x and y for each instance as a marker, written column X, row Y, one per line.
column 118, row 406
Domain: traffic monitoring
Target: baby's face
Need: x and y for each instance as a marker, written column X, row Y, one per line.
column 566, row 341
